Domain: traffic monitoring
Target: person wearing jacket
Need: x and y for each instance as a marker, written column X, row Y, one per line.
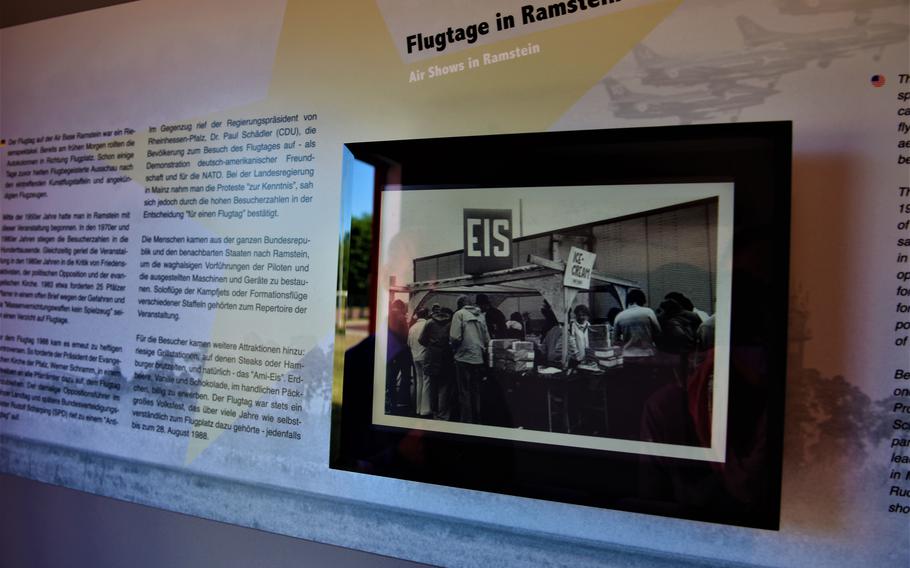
column 580, row 328
column 469, row 338
column 398, row 368
column 494, row 318
column 438, row 363
column 550, row 349
column 422, row 398
column 677, row 339
column 677, row 328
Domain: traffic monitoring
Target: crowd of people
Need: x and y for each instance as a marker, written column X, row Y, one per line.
column 438, row 358
column 677, row 332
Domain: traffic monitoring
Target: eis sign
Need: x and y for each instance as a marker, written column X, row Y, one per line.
column 487, row 240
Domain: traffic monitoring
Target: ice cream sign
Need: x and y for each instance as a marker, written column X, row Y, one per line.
column 579, row 268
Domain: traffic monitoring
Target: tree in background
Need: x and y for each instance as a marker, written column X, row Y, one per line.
column 360, row 239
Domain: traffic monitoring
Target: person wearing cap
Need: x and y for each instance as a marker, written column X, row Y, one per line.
column 469, row 338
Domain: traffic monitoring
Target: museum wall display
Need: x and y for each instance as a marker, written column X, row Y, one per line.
column 470, row 282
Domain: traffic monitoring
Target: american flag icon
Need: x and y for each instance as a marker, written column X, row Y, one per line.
column 877, row 81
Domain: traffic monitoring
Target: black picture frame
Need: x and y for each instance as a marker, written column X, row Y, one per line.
column 742, row 490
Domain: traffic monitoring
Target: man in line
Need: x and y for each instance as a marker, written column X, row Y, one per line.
column 398, row 371
column 469, row 338
column 636, row 328
column 493, row 317
column 439, row 363
column 422, row 400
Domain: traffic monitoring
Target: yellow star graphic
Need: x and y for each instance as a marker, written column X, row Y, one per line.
column 339, row 61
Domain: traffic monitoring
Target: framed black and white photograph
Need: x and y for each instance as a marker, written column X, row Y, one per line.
column 485, row 337
column 594, row 317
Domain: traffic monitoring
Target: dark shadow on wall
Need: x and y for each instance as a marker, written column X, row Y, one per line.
column 823, row 231
column 832, row 427
column 825, row 416
column 17, row 13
